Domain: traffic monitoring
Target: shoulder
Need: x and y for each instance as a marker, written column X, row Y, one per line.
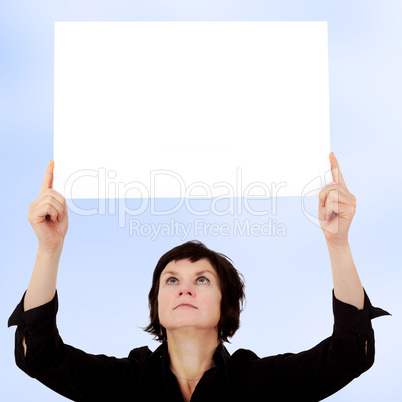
column 247, row 362
column 243, row 354
column 242, row 361
column 141, row 353
column 247, row 370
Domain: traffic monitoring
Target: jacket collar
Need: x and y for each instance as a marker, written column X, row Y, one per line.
column 221, row 357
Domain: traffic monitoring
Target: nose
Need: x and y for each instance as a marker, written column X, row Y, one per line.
column 186, row 289
column 182, row 292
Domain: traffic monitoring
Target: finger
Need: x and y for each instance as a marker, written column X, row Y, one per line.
column 323, row 194
column 57, row 205
column 331, row 188
column 334, row 167
column 339, row 208
column 48, row 180
column 335, row 170
column 43, row 211
column 50, row 203
column 330, row 203
column 333, row 207
column 55, row 194
column 338, row 203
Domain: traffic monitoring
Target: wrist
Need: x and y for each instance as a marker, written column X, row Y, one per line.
column 50, row 252
column 338, row 245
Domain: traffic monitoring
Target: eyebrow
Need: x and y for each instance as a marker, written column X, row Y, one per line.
column 196, row 274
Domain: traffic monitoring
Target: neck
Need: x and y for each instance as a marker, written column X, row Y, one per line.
column 191, row 352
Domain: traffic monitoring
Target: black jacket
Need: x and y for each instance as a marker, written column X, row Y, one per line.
column 311, row 375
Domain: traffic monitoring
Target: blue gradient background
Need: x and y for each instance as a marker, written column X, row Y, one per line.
column 105, row 274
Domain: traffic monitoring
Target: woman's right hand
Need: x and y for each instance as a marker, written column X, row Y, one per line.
column 48, row 215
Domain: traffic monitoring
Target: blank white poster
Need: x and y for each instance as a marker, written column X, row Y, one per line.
column 190, row 108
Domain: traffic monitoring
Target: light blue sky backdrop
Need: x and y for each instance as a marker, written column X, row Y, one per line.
column 105, row 272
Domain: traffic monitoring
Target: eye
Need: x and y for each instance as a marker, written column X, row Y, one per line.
column 169, row 281
column 203, row 277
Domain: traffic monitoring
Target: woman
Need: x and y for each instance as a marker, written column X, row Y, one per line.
column 195, row 303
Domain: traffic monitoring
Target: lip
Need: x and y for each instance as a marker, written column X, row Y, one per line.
column 185, row 305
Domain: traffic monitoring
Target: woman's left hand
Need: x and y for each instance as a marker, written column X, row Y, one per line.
column 336, row 207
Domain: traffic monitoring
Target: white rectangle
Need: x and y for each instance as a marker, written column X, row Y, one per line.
column 161, row 106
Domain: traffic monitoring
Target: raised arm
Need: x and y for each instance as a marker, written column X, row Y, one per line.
column 336, row 209
column 39, row 350
column 319, row 372
column 49, row 219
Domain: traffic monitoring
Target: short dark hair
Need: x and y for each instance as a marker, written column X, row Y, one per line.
column 231, row 286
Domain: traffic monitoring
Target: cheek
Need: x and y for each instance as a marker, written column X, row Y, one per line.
column 163, row 300
column 216, row 304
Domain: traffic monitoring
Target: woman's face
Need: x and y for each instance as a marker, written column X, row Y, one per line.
column 192, row 283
